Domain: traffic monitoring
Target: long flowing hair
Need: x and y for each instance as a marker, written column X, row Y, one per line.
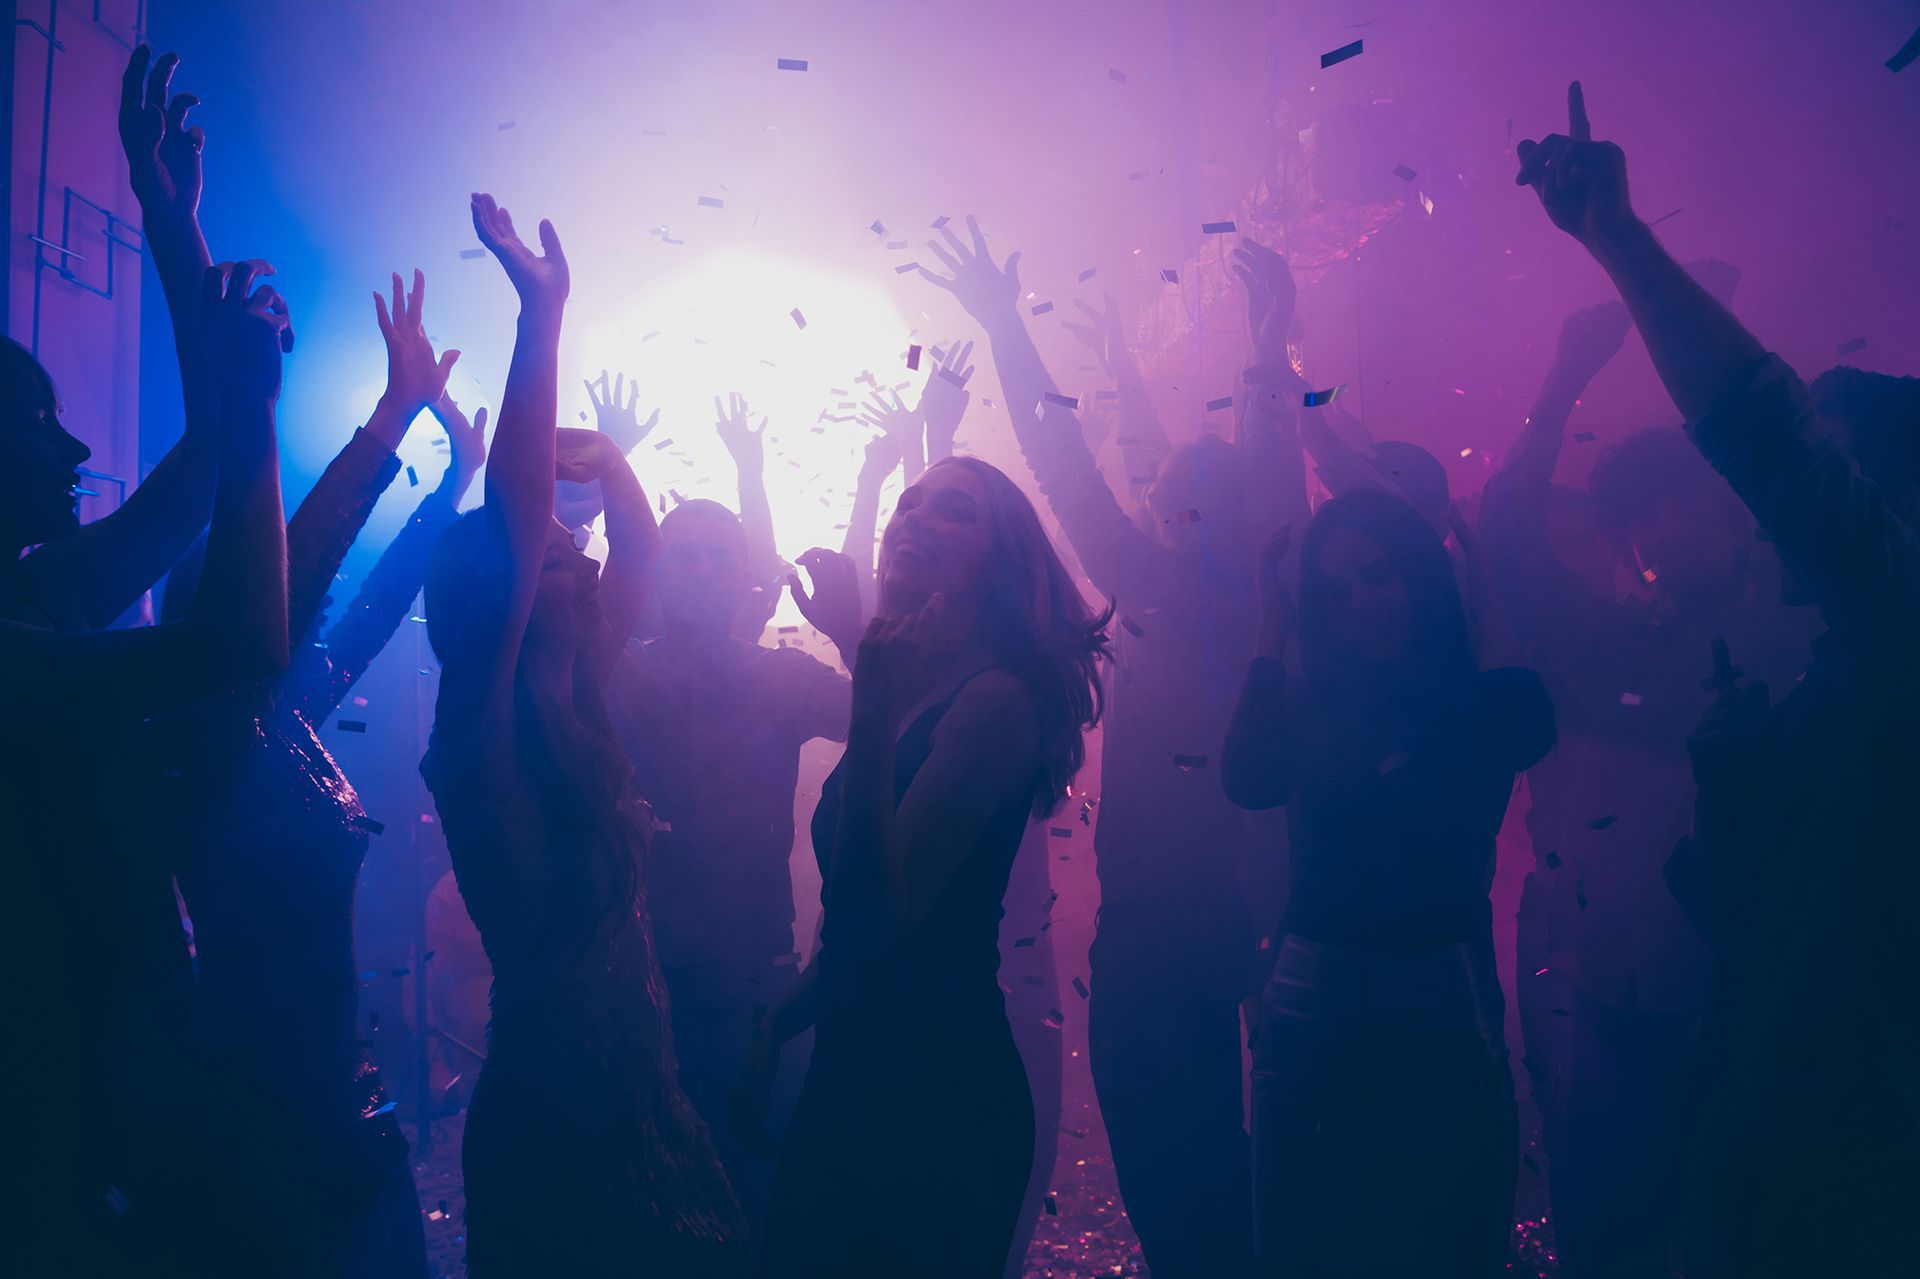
column 1041, row 627
column 575, row 768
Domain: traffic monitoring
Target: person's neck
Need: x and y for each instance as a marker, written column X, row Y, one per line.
column 699, row 642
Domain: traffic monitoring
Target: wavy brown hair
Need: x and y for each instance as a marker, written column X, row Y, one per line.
column 1041, row 628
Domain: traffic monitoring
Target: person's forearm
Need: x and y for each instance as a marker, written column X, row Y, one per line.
column 520, row 479
column 796, row 1009
column 862, row 521
column 323, row 527
column 633, row 548
column 240, row 610
column 1276, row 466
column 368, row 623
column 1699, row 349
column 756, row 520
column 866, row 880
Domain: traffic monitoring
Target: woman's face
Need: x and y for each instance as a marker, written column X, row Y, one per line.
column 1369, row 609
column 566, row 603
column 39, row 471
column 939, row 540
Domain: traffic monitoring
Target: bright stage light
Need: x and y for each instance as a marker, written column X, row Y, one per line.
column 726, row 324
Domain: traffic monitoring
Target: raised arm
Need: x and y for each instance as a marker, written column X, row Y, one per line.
column 944, row 399
column 1272, row 398
column 746, row 444
column 881, row 458
column 519, row 488
column 1141, row 438
column 1700, row 350
column 1748, row 412
column 1123, row 561
column 103, row 568
column 382, row 601
column 1589, row 339
column 633, row 536
column 331, row 516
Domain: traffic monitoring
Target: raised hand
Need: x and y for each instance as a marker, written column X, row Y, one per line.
column 885, row 411
column 468, row 440
column 616, row 411
column 1589, row 338
column 246, row 331
column 1271, row 294
column 1277, row 615
column 163, row 154
column 541, row 279
column 891, row 671
column 944, row 399
column 1581, row 183
column 415, row 379
column 833, row 606
column 581, row 456
column 745, row 442
column 988, row 292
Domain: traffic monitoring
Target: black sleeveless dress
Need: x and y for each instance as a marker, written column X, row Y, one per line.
column 912, row 1141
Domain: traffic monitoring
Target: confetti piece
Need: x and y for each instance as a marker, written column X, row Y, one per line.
column 1532, row 1167
column 1215, row 228
column 709, row 202
column 940, row 221
column 1189, row 761
column 913, row 357
column 1064, row 401
column 1060, row 832
column 1663, row 217
column 1132, row 628
column 1580, row 893
column 1315, row 399
column 1601, row 823
column 1648, row 576
column 1224, row 402
column 1043, row 308
column 910, row 266
column 369, row 825
column 1341, row 54
column 798, row 318
column 351, row 725
column 1170, row 275
column 1393, row 761
column 387, row 1109
column 504, row 125
column 468, row 255
column 1405, row 174
column 954, row 378
column 791, row 64
column 1908, row 52
column 1056, row 1019
column 878, row 228
column 1189, row 516
column 1848, row 348
column 1629, row 699
column 1080, row 989
column 413, row 478
column 1117, row 76
column 1585, row 437
column 1553, row 861
column 1021, row 943
column 1087, row 274
column 1426, row 204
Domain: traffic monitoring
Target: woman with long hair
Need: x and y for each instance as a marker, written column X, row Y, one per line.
column 1383, row 1103
column 581, row 1154
column 971, row 691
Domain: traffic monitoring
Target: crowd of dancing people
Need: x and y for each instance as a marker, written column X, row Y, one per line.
column 1719, row 1024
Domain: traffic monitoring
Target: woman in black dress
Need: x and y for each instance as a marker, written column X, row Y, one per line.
column 910, row 1147
column 582, row 1155
column 1383, row 1103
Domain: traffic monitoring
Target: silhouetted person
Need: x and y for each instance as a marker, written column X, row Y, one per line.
column 1801, row 872
column 581, row 1153
column 1610, row 977
column 970, row 694
column 266, row 837
column 1177, row 948
column 714, row 725
column 1383, row 1103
